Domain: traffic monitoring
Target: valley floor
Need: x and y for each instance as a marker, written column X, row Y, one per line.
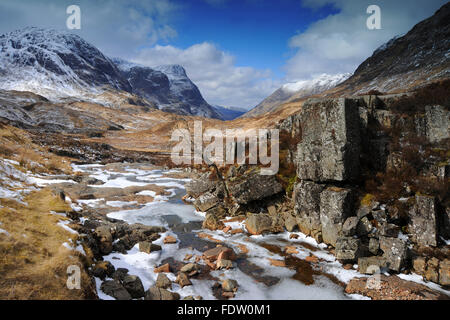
column 277, row 266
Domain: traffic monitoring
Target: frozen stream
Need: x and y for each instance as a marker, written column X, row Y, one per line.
column 256, row 274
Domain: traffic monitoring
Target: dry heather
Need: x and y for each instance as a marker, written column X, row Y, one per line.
column 16, row 144
column 33, row 261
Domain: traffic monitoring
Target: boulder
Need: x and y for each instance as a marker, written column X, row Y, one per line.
column 224, row 252
column 258, row 223
column 348, row 249
column 290, row 223
column 432, row 270
column 336, row 205
column 155, row 293
column 188, row 268
column 103, row 269
column 374, row 246
column 105, row 238
column 422, row 225
column 134, row 286
column 120, row 274
column 183, row 280
column 196, row 187
column 364, row 227
column 229, row 285
column 393, row 288
column 371, row 265
column 163, row 281
column 349, row 226
column 148, row 247
column 394, row 251
column 212, row 222
column 444, row 272
column 307, row 208
column 253, row 186
column 330, row 146
column 115, row 289
column 224, row 264
column 437, row 122
column 206, row 201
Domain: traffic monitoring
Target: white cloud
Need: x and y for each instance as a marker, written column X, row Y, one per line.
column 215, row 73
column 117, row 27
column 340, row 42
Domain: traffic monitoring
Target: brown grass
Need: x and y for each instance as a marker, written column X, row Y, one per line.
column 33, row 262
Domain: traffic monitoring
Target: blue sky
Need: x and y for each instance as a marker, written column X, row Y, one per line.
column 256, row 32
column 237, row 51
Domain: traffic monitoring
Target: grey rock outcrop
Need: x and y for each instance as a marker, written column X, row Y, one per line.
column 330, row 146
column 423, row 226
column 336, row 205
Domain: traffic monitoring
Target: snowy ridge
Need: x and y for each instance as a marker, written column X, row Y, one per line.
column 320, row 83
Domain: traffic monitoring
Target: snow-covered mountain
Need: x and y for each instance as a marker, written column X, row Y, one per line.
column 297, row 90
column 60, row 65
column 168, row 87
column 54, row 64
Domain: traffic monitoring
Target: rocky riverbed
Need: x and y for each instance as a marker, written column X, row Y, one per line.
column 147, row 241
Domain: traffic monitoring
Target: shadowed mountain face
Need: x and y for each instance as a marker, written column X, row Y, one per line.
column 168, row 87
column 420, row 56
column 229, row 113
column 60, row 65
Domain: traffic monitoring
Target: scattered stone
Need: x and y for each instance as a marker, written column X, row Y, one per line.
column 290, row 223
column 258, row 223
column 213, row 254
column 374, row 246
column 120, row 274
column 307, row 208
column 312, row 259
column 189, row 268
column 364, row 227
column 163, row 282
column 115, row 289
column 290, row 250
column 335, row 207
column 432, row 270
column 134, row 286
column 277, row 263
column 188, row 257
column 348, row 249
column 164, row 268
column 393, row 288
column 423, row 226
column 183, row 280
column 105, row 238
column 349, row 226
column 103, row 269
column 272, row 210
column 148, row 247
column 170, row 240
column 395, row 252
column 212, row 222
column 155, row 293
column 444, row 272
column 189, row 298
column 293, row 236
column 371, row 265
column 419, row 265
column 229, row 285
column 224, row 264
column 226, row 229
column 228, row 295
